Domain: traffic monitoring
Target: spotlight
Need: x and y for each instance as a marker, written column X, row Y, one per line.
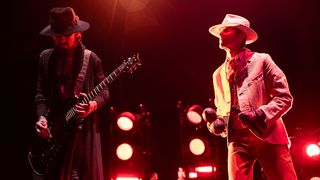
column 199, row 149
column 125, row 121
column 305, row 152
column 124, row 151
column 130, row 148
column 315, row 178
column 197, row 146
column 204, row 169
column 127, row 178
column 194, row 114
column 207, row 171
column 193, row 175
column 313, row 150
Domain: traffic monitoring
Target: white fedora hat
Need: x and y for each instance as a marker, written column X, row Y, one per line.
column 238, row 22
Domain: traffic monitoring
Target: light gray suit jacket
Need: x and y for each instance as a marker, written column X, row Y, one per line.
column 261, row 84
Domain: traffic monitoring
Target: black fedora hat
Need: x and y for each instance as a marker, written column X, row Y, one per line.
column 64, row 21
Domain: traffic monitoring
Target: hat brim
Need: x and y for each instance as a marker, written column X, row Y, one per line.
column 252, row 36
column 80, row 27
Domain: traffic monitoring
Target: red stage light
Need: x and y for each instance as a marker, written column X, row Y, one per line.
column 193, row 175
column 128, row 178
column 315, row 178
column 197, row 146
column 204, row 169
column 124, row 151
column 313, row 150
column 125, row 121
column 194, row 114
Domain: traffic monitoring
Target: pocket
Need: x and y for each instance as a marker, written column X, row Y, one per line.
column 257, row 79
column 256, row 91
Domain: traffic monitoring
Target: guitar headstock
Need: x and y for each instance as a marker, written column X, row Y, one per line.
column 132, row 63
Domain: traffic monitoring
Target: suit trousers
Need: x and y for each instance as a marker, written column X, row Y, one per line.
column 245, row 149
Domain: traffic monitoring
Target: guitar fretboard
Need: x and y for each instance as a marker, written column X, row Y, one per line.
column 93, row 93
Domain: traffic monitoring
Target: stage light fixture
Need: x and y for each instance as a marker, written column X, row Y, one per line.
column 130, row 143
column 193, row 175
column 124, row 151
column 305, row 152
column 205, row 169
column 315, row 178
column 125, row 121
column 127, row 178
column 197, row 146
column 194, row 114
column 313, row 150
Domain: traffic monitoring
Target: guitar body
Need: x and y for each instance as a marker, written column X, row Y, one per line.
column 37, row 158
column 44, row 151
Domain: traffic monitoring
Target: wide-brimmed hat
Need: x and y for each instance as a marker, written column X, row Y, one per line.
column 238, row 22
column 64, row 21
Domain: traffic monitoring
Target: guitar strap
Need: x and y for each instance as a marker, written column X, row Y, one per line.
column 82, row 74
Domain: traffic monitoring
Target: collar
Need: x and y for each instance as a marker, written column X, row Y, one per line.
column 244, row 55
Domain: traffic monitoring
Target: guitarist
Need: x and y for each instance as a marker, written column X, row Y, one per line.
column 253, row 92
column 61, row 77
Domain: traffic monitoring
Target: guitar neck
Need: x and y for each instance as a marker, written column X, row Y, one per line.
column 93, row 93
column 101, row 86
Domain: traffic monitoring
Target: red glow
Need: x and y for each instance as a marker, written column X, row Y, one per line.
column 194, row 114
column 128, row 178
column 193, row 175
column 204, row 169
column 315, row 178
column 197, row 146
column 124, row 151
column 194, row 117
column 125, row 121
column 313, row 150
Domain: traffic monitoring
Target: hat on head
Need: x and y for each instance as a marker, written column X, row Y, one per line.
column 64, row 21
column 238, row 22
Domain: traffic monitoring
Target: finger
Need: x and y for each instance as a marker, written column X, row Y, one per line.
column 81, row 107
column 44, row 125
column 82, row 104
column 42, row 133
column 39, row 127
column 38, row 130
column 82, row 94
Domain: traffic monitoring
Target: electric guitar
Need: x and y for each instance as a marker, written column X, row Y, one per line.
column 45, row 150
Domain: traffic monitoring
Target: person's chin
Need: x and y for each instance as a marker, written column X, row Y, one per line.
column 221, row 46
column 64, row 47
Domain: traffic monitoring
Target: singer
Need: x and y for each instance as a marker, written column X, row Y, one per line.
column 257, row 91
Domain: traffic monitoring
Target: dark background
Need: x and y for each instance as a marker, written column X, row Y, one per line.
column 178, row 57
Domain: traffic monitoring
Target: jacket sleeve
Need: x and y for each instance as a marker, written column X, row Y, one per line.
column 41, row 100
column 278, row 90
